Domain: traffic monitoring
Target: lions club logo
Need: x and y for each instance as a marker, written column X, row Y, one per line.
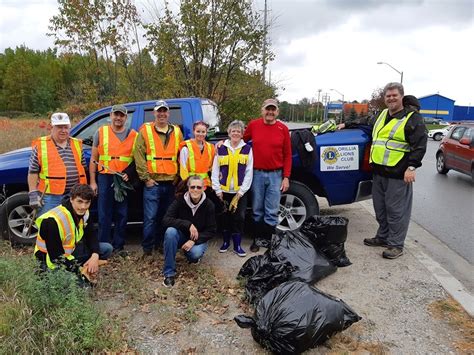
column 330, row 155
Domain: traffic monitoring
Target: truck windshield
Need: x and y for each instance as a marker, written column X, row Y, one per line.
column 210, row 115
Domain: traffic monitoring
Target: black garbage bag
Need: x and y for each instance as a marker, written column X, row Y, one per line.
column 295, row 317
column 267, row 277
column 297, row 250
column 253, row 264
column 326, row 229
column 336, row 254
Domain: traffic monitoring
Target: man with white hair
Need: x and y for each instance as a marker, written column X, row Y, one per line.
column 56, row 164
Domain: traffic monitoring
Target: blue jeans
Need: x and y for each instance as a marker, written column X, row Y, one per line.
column 82, row 253
column 156, row 200
column 175, row 239
column 50, row 201
column 266, row 196
column 108, row 210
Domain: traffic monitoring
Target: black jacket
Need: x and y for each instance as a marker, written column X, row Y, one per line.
column 50, row 233
column 180, row 216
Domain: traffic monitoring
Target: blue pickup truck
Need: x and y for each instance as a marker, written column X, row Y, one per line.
column 340, row 173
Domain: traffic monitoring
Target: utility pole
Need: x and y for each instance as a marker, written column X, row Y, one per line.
column 317, row 108
column 264, row 50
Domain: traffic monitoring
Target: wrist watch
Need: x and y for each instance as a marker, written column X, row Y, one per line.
column 411, row 168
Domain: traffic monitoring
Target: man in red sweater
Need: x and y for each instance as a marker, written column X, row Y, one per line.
column 271, row 147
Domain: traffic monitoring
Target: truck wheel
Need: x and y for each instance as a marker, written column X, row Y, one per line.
column 440, row 164
column 296, row 205
column 15, row 217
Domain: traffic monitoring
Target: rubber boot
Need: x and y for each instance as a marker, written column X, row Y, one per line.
column 237, row 239
column 257, row 230
column 225, row 246
column 266, row 235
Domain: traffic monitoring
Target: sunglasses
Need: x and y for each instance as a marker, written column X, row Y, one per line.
column 194, row 187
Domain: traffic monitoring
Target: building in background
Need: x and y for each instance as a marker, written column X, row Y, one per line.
column 443, row 108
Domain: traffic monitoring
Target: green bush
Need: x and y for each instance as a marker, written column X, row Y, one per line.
column 48, row 313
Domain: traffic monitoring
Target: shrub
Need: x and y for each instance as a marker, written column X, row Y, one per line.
column 48, row 313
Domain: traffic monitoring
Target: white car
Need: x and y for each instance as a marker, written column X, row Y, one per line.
column 438, row 134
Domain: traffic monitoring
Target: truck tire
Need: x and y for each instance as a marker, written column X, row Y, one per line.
column 296, row 205
column 15, row 215
column 441, row 164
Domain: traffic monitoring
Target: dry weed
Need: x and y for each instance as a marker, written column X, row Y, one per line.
column 18, row 133
column 449, row 310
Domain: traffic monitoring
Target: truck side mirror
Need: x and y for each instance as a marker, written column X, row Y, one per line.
column 465, row 141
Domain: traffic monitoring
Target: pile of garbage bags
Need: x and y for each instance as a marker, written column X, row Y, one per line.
column 290, row 315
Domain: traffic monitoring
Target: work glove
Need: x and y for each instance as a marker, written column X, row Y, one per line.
column 233, row 204
column 120, row 188
column 35, row 199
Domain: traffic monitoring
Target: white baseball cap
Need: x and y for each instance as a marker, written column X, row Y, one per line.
column 60, row 118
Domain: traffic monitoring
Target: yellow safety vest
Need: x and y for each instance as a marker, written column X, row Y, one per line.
column 389, row 144
column 69, row 233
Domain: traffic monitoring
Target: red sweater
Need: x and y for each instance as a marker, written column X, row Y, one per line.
column 271, row 145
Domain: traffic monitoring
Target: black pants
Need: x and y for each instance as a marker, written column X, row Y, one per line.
column 234, row 222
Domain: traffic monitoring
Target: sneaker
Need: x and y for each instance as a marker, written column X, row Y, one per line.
column 168, row 281
column 392, row 253
column 225, row 246
column 194, row 261
column 120, row 252
column 239, row 251
column 254, row 247
column 375, row 242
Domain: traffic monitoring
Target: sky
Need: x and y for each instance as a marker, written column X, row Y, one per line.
column 332, row 44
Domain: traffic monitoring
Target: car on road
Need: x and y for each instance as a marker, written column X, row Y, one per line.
column 456, row 150
column 438, row 134
column 431, row 120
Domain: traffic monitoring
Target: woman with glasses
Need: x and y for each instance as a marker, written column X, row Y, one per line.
column 189, row 223
column 232, row 173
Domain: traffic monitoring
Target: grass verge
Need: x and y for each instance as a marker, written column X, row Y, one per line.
column 48, row 313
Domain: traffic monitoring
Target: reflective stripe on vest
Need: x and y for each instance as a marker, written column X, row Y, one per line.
column 389, row 143
column 69, row 234
column 204, row 165
column 52, row 176
column 232, row 167
column 161, row 160
column 113, row 153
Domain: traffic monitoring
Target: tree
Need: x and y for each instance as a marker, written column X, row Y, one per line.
column 209, row 49
column 102, row 31
column 377, row 102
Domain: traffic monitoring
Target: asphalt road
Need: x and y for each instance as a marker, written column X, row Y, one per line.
column 444, row 205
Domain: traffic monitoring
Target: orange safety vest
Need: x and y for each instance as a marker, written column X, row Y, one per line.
column 113, row 153
column 160, row 159
column 53, row 171
column 199, row 163
column 69, row 233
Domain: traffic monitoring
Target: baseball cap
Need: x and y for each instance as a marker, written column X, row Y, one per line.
column 119, row 108
column 270, row 102
column 161, row 103
column 60, row 118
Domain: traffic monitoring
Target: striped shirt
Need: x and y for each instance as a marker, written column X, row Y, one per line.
column 66, row 154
